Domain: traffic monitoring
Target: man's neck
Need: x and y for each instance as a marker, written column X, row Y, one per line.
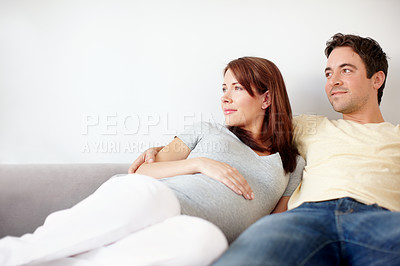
column 372, row 116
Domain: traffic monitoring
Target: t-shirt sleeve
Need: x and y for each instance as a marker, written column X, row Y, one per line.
column 304, row 126
column 300, row 127
column 295, row 177
column 192, row 135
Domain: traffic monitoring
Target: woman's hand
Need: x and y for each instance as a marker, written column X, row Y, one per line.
column 227, row 175
column 148, row 156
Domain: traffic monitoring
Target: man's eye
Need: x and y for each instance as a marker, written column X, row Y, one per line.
column 346, row 70
column 328, row 74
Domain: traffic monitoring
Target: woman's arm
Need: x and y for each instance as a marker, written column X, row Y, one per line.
column 281, row 206
column 171, row 161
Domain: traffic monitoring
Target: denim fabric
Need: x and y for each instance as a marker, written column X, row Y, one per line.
column 336, row 232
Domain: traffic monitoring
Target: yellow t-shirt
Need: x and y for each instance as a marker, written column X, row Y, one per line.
column 348, row 159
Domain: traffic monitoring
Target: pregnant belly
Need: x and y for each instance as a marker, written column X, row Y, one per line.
column 209, row 199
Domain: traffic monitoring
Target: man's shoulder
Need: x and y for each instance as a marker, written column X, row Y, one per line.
column 305, row 120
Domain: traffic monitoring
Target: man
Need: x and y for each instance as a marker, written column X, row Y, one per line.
column 346, row 211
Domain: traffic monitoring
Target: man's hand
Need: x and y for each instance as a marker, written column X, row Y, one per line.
column 148, row 156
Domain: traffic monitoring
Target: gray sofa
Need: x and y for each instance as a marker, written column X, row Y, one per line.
column 28, row 193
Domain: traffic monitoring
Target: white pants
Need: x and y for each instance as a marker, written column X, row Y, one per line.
column 129, row 220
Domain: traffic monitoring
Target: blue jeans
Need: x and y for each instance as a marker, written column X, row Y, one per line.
column 336, row 232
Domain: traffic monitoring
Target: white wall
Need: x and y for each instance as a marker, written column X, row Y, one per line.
column 68, row 66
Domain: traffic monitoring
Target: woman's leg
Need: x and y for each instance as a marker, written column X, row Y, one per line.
column 122, row 205
column 180, row 240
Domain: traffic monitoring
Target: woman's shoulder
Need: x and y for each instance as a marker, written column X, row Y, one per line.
column 206, row 127
column 212, row 125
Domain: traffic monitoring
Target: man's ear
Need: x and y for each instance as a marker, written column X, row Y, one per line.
column 266, row 100
column 378, row 79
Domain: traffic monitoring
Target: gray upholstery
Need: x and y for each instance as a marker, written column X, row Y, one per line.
column 28, row 193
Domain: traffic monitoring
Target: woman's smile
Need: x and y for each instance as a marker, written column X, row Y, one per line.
column 229, row 111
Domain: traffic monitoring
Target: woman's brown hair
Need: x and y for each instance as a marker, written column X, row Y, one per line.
column 258, row 75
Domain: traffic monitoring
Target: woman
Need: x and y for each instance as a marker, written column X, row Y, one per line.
column 230, row 176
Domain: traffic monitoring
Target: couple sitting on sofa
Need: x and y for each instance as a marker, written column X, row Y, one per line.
column 344, row 211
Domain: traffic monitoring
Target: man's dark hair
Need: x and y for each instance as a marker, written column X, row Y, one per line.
column 368, row 49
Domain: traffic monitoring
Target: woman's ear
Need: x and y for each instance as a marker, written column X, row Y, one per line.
column 266, row 100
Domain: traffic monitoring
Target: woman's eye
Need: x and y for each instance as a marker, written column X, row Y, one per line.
column 238, row 88
column 223, row 89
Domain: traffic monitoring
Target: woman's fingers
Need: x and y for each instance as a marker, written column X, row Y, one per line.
column 235, row 181
column 230, row 184
column 227, row 175
column 245, row 187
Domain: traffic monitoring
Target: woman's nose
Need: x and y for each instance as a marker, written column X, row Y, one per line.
column 226, row 98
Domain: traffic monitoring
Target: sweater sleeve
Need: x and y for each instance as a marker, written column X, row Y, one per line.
column 191, row 136
column 295, row 177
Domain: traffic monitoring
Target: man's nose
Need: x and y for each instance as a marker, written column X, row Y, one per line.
column 335, row 80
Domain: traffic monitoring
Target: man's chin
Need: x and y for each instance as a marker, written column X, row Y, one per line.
column 343, row 110
column 340, row 108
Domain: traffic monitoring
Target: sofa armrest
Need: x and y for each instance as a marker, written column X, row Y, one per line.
column 30, row 192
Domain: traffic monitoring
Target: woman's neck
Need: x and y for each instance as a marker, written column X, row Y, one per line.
column 262, row 153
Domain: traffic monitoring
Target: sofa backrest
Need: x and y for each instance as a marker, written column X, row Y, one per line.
column 30, row 192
